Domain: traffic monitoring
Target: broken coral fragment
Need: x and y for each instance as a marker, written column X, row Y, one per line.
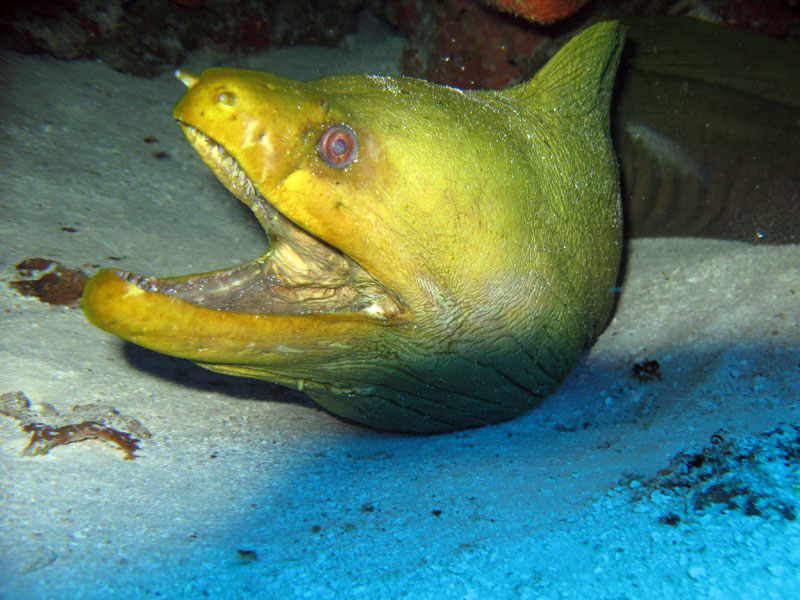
column 50, row 281
column 94, row 422
column 45, row 437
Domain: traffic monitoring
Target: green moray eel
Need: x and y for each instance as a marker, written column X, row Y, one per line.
column 707, row 124
column 437, row 260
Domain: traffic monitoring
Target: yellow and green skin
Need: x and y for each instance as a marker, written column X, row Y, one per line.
column 437, row 259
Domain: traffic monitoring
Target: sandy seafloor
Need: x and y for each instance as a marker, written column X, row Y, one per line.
column 564, row 502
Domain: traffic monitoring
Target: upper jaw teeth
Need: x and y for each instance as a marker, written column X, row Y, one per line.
column 228, row 171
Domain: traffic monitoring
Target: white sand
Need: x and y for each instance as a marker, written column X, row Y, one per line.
column 546, row 506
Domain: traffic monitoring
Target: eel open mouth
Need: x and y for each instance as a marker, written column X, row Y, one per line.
column 299, row 273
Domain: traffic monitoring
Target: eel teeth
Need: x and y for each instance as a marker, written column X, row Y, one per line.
column 231, row 174
column 143, row 283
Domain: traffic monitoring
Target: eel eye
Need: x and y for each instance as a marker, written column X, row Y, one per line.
column 338, row 146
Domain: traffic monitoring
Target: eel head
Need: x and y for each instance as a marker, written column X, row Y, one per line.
column 407, row 282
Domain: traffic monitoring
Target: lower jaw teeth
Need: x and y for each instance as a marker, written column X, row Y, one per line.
column 142, row 283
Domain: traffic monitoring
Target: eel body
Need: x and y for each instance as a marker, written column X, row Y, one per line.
column 438, row 259
column 706, row 120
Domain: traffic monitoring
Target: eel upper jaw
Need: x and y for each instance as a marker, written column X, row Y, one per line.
column 300, row 273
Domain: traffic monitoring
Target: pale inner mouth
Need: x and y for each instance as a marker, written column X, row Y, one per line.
column 299, row 273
